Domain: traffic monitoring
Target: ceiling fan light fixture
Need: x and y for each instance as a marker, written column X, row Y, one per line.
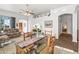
column 27, row 11
column 27, row 14
column 30, row 10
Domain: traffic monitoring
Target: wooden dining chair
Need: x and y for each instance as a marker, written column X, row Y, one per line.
column 26, row 35
column 28, row 49
column 49, row 49
column 25, row 50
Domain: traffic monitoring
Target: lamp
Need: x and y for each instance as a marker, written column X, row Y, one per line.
column 65, row 26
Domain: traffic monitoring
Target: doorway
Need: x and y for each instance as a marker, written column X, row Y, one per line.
column 65, row 23
column 20, row 27
column 65, row 32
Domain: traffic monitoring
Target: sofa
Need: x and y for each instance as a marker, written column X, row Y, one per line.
column 12, row 33
column 3, row 39
column 7, row 34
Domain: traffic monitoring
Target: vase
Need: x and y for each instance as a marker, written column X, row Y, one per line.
column 37, row 34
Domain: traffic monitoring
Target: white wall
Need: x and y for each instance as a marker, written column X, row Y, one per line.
column 54, row 16
column 40, row 21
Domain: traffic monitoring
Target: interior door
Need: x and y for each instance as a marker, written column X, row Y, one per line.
column 21, row 27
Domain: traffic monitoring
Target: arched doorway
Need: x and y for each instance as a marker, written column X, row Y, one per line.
column 65, row 31
column 65, row 28
column 65, row 23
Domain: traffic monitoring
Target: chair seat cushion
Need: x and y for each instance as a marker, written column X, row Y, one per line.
column 40, row 48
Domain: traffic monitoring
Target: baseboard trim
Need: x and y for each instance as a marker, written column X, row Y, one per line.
column 65, row 49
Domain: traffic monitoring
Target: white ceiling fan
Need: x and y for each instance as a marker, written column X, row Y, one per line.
column 27, row 11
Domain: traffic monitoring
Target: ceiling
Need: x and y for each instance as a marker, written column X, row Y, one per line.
column 37, row 8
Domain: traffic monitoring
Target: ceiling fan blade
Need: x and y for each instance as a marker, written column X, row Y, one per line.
column 23, row 10
column 32, row 13
column 20, row 12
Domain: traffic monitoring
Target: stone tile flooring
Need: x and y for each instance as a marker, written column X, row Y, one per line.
column 11, row 48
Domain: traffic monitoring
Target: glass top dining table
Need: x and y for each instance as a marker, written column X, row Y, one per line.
column 29, row 41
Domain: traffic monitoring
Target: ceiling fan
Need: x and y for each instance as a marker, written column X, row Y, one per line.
column 27, row 11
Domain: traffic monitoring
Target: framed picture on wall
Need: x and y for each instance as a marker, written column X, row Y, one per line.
column 48, row 24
